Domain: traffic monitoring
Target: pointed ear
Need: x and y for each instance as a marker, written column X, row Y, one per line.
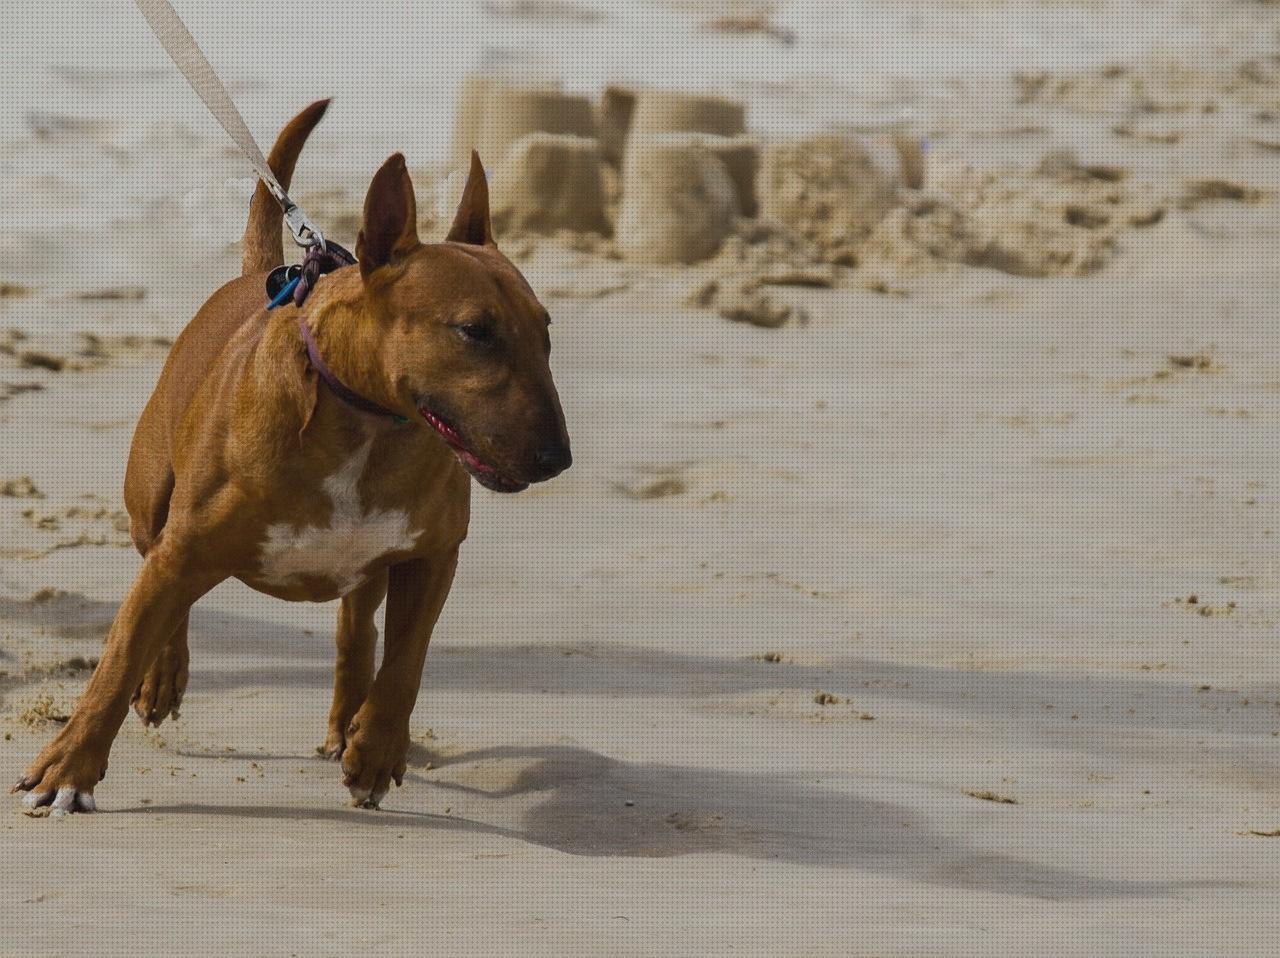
column 472, row 225
column 390, row 227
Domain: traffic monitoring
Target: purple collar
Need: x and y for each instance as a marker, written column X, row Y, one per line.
column 336, row 386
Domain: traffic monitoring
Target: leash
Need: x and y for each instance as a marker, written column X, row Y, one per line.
column 185, row 52
column 285, row 282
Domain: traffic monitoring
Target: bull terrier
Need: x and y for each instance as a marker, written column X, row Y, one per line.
column 322, row 451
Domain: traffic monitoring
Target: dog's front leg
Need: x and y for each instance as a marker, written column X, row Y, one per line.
column 67, row 770
column 353, row 672
column 378, row 736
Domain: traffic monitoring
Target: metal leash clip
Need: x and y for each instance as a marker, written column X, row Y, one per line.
column 305, row 233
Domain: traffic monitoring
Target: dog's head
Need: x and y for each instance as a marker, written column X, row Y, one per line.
column 465, row 341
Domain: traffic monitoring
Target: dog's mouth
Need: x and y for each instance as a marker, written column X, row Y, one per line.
column 485, row 474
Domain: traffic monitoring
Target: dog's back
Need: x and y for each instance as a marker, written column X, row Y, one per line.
column 149, row 477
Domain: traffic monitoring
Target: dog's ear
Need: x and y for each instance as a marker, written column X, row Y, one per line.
column 390, row 227
column 472, row 225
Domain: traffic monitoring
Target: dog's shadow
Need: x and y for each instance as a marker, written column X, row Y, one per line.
column 594, row 805
column 580, row 802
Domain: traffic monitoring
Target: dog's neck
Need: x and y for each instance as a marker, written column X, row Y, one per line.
column 336, row 385
column 343, row 349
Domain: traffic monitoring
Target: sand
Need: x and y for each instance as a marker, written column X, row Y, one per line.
column 969, row 502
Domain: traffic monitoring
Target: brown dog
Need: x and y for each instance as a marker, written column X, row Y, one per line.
column 246, row 464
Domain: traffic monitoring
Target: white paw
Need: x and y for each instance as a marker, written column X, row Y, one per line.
column 366, row 798
column 63, row 802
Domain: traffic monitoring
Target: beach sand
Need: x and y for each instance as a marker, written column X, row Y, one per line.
column 941, row 623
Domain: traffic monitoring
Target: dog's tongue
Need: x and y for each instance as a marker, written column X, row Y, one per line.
column 447, row 433
column 466, row 456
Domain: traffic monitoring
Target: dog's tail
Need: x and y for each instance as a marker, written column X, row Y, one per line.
column 263, row 243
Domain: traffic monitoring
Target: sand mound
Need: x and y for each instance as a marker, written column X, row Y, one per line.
column 1199, row 192
column 828, row 189
column 765, row 253
column 897, row 153
column 757, row 256
column 911, row 159
column 1021, row 244
column 744, row 301
column 1060, row 218
column 678, row 200
column 20, row 488
column 493, row 113
column 549, row 183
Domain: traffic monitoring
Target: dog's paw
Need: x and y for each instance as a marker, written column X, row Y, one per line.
column 372, row 760
column 62, row 779
column 335, row 744
column 363, row 798
column 160, row 692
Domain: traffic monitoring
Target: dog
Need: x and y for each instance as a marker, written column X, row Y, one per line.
column 335, row 468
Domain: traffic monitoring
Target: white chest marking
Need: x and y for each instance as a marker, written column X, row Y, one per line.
column 342, row 550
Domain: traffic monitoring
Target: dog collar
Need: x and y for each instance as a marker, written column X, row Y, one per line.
column 336, row 385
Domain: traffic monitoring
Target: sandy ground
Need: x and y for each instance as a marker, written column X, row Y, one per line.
column 748, row 678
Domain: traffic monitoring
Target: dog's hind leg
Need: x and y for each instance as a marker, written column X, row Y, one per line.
column 353, row 673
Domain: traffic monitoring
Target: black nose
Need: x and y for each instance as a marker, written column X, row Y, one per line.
column 552, row 460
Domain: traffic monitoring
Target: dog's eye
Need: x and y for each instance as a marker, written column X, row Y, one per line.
column 475, row 332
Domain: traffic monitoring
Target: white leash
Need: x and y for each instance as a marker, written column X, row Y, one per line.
column 182, row 47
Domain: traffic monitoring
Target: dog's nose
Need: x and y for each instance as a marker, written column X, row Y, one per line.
column 553, row 459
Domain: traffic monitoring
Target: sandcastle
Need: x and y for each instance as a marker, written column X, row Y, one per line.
column 671, row 111
column 549, row 182
column 828, row 189
column 678, row 201
column 668, row 172
column 613, row 120
column 687, row 172
column 741, row 158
